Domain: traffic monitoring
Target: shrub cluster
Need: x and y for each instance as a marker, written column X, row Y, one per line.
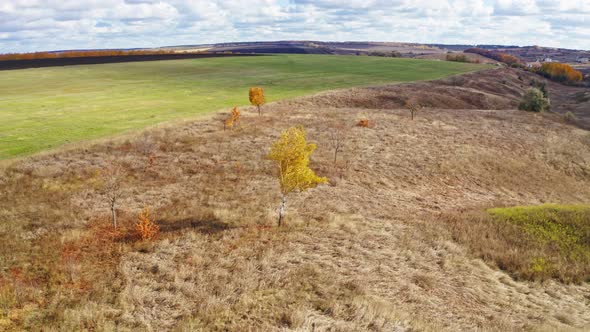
column 392, row 54
column 460, row 58
column 534, row 101
column 541, row 85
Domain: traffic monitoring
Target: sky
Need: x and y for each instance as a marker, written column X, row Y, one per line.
column 40, row 25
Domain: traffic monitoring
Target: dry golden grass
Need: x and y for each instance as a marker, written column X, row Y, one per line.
column 367, row 252
column 532, row 242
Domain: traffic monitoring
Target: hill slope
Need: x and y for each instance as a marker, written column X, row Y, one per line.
column 367, row 252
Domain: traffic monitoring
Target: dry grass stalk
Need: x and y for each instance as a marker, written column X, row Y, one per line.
column 112, row 179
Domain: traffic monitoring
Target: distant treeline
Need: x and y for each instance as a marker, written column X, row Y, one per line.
column 80, row 54
column 498, row 56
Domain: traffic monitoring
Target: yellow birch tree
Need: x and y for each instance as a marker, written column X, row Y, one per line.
column 291, row 154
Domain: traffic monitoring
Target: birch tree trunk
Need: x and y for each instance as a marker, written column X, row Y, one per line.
column 282, row 210
column 114, row 212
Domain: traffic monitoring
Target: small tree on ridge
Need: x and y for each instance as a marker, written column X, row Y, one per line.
column 112, row 188
column 413, row 107
column 338, row 135
column 257, row 97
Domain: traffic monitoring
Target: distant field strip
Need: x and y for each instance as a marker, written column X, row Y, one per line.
column 45, row 108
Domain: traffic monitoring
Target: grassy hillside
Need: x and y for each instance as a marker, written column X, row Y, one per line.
column 45, row 108
column 369, row 251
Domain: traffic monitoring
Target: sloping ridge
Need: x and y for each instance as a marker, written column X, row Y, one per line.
column 496, row 89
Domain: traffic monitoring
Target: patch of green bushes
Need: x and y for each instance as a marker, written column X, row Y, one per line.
column 534, row 101
column 457, row 58
column 570, row 117
column 541, row 85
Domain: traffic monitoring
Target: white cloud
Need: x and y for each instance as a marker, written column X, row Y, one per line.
column 31, row 25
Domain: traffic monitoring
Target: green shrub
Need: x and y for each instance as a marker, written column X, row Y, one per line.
column 534, row 101
column 541, row 85
column 569, row 117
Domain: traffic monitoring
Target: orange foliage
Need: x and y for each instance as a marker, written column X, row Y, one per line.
column 498, row 56
column 235, row 114
column 561, row 72
column 228, row 123
column 232, row 118
column 145, row 228
column 257, row 97
column 363, row 123
column 508, row 59
column 79, row 54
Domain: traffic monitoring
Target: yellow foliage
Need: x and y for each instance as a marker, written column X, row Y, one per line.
column 257, row 97
column 291, row 153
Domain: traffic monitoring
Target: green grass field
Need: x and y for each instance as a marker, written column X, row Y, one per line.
column 45, row 108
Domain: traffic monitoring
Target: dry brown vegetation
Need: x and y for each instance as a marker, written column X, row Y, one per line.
column 575, row 100
column 367, row 252
column 496, row 90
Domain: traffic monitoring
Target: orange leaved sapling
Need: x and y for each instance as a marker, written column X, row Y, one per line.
column 291, row 153
column 232, row 118
column 145, row 227
column 257, row 97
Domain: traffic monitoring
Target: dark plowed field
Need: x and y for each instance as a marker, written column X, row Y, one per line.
column 56, row 62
